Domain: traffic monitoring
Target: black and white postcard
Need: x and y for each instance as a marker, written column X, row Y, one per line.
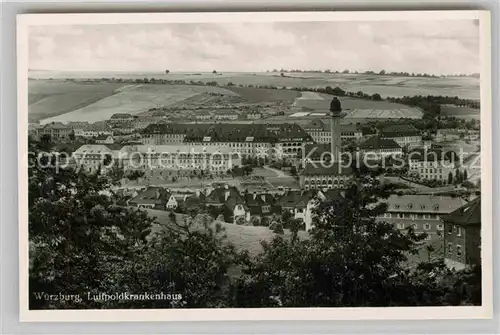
column 255, row 166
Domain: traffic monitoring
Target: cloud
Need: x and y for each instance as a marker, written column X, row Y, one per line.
column 432, row 46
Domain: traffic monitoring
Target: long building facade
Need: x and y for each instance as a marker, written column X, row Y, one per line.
column 99, row 157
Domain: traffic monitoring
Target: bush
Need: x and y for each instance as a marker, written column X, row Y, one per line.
column 277, row 228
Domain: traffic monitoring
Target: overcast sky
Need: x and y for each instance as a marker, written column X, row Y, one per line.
column 439, row 47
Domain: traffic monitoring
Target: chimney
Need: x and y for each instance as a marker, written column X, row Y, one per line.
column 254, row 195
column 226, row 195
column 263, row 197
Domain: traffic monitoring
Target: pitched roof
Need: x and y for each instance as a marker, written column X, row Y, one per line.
column 57, row 125
column 258, row 199
column 332, row 194
column 318, row 169
column 467, row 215
column 102, row 137
column 377, row 143
column 176, row 148
column 218, row 195
column 296, row 198
column 94, row 148
column 152, row 196
column 399, row 130
column 412, row 203
column 289, row 132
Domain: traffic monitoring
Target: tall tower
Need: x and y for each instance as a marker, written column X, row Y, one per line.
column 336, row 114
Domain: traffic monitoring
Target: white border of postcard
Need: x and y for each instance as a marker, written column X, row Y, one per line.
column 386, row 313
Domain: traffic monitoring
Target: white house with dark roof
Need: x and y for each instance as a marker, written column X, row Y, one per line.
column 104, row 139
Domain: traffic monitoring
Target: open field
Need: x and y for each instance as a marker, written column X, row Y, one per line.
column 463, row 87
column 51, row 98
column 133, row 99
column 255, row 95
column 461, row 112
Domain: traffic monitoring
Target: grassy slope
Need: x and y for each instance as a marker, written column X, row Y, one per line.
column 50, row 98
column 134, row 99
column 242, row 237
column 249, row 237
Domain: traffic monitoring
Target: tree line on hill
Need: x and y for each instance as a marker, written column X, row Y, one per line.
column 85, row 241
column 381, row 72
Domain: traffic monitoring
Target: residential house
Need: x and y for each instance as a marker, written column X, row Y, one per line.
column 422, row 212
column 462, row 236
column 297, row 203
column 104, row 139
column 262, row 205
column 152, row 198
column 325, row 195
column 231, row 200
column 172, row 202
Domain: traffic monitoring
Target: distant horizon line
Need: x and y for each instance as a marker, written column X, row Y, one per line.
column 388, row 72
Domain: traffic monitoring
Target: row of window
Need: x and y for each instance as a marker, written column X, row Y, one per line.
column 410, row 206
column 431, row 170
column 425, row 226
column 411, row 216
